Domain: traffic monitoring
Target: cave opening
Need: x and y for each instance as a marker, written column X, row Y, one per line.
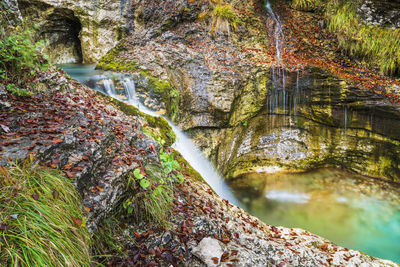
column 61, row 36
column 59, row 29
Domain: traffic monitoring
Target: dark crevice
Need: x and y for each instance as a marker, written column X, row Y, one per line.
column 59, row 28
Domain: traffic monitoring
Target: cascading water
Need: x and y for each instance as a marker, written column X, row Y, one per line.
column 278, row 72
column 130, row 91
column 279, row 35
column 109, row 86
column 183, row 144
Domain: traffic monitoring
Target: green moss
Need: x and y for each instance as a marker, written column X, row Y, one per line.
column 124, row 107
column 186, row 168
column 165, row 130
column 163, row 88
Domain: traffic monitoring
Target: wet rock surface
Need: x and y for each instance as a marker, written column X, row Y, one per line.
column 320, row 121
column 96, row 144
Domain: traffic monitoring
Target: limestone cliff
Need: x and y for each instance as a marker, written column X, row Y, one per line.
column 77, row 31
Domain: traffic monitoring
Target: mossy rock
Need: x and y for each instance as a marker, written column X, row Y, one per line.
column 186, row 168
column 165, row 130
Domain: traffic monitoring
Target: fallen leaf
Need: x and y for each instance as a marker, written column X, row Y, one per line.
column 77, row 221
column 70, row 174
column 87, row 209
column 215, row 260
column 55, row 194
column 99, row 188
column 57, row 141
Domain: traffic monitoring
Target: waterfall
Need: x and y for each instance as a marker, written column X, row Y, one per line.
column 183, row 144
column 279, row 35
column 278, row 74
column 109, row 86
column 130, row 91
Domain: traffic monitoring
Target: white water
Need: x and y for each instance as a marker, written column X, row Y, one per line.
column 279, row 35
column 109, row 86
column 185, row 146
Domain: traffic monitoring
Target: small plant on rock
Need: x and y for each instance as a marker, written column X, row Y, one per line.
column 222, row 17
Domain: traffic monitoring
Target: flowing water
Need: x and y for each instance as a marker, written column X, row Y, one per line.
column 350, row 210
column 123, row 87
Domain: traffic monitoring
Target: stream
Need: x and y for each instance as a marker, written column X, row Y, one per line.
column 351, row 210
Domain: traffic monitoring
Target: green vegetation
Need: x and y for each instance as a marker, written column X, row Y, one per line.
column 20, row 60
column 152, row 190
column 41, row 223
column 222, row 17
column 13, row 89
column 375, row 46
column 307, row 5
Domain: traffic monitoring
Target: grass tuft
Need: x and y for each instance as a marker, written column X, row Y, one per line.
column 222, row 17
column 41, row 222
column 376, row 46
column 307, row 5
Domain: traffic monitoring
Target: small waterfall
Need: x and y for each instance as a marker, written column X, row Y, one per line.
column 130, row 91
column 183, row 144
column 278, row 73
column 109, row 86
column 197, row 160
column 279, row 35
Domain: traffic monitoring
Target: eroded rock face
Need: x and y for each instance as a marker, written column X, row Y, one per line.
column 383, row 13
column 210, row 71
column 320, row 122
column 77, row 31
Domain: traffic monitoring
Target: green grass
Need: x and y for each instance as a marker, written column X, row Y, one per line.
column 37, row 211
column 307, row 5
column 376, row 46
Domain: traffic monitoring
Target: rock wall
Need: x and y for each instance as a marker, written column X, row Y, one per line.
column 383, row 13
column 77, row 31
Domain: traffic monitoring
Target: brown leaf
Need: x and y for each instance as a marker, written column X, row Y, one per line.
column 215, row 260
column 87, row 209
column 70, row 174
column 99, row 188
column 57, row 141
column 77, row 221
column 137, row 235
column 55, row 194
column 85, row 157
column 35, row 196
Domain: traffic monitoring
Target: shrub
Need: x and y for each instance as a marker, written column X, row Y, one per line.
column 40, row 219
column 153, row 190
column 19, row 56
